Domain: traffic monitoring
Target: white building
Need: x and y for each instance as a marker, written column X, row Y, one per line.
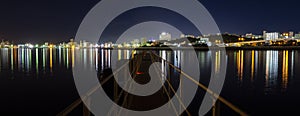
column 165, row 36
column 249, row 35
column 204, row 39
column 297, row 36
column 272, row 36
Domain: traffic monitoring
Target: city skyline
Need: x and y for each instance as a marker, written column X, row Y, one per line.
column 165, row 39
column 55, row 21
column 264, row 35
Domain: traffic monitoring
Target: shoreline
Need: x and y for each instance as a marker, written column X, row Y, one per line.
column 195, row 48
column 214, row 48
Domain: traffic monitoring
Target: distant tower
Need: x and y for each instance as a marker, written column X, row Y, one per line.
column 165, row 36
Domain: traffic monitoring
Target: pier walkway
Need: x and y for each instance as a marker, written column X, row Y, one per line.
column 139, row 68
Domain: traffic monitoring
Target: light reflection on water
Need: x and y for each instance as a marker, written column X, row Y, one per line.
column 253, row 76
column 271, row 70
column 276, row 67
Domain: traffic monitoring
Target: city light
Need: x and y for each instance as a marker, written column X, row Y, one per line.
column 266, row 39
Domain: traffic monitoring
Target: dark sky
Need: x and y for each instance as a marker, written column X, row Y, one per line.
column 38, row 21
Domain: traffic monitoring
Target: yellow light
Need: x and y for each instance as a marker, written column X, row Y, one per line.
column 51, row 59
column 285, row 69
column 252, row 64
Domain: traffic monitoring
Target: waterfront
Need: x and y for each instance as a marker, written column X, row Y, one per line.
column 40, row 81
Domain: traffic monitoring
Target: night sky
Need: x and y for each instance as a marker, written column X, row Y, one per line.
column 37, row 21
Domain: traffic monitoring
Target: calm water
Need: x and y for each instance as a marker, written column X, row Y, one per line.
column 40, row 81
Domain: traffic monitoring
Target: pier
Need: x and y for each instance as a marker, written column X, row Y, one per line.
column 139, row 69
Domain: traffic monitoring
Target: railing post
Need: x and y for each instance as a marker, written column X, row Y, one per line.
column 115, row 90
column 86, row 111
column 180, row 92
column 216, row 107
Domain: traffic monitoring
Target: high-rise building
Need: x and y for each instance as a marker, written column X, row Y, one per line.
column 165, row 36
column 271, row 36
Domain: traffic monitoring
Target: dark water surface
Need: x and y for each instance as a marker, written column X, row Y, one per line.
column 40, row 81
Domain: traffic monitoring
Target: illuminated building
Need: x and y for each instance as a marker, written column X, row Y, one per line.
column 284, row 35
column 204, row 39
column 72, row 42
column 291, row 34
column 85, row 44
column 252, row 36
column 249, row 35
column 264, row 34
column 271, row 36
column 182, row 36
column 287, row 35
column 2, row 44
column 190, row 36
column 80, row 44
column 143, row 41
column 297, row 36
column 165, row 36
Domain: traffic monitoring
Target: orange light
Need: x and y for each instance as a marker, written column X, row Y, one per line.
column 139, row 73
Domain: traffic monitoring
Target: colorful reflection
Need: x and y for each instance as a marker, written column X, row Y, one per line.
column 163, row 55
column 217, row 62
column 73, row 57
column 277, row 67
column 44, row 60
column 51, row 58
column 285, row 69
column 4, row 60
column 271, row 71
column 252, row 64
column 12, row 58
column 177, row 58
column 37, row 61
column 125, row 54
column 240, row 64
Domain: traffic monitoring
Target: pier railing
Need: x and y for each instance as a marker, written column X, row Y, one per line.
column 216, row 97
